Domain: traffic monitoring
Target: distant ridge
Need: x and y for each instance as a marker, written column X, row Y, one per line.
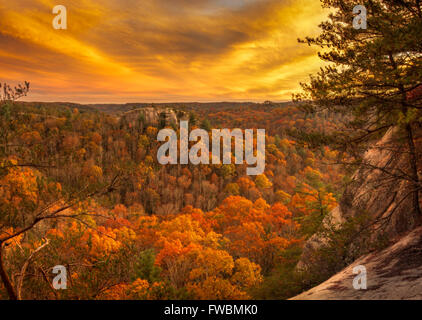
column 121, row 108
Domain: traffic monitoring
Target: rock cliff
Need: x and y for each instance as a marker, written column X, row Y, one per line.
column 376, row 191
column 152, row 116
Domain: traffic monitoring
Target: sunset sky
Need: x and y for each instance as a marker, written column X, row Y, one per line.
column 117, row 51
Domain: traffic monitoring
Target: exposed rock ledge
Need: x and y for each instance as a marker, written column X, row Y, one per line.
column 152, row 116
column 394, row 273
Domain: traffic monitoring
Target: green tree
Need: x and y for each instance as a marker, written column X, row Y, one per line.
column 192, row 119
column 145, row 267
column 206, row 125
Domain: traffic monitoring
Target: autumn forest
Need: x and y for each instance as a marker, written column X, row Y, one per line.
column 88, row 212
column 93, row 198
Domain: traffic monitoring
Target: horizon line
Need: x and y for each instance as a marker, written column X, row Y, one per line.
column 152, row 103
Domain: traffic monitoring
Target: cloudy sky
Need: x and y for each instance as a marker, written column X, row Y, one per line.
column 159, row 50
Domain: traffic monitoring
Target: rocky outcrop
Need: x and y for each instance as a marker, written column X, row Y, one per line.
column 380, row 191
column 152, row 116
column 377, row 192
column 394, row 273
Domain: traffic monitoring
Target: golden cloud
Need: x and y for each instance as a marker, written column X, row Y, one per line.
column 159, row 50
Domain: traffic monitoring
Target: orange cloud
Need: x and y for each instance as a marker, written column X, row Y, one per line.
column 157, row 50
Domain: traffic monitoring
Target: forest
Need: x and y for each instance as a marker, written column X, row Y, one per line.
column 83, row 189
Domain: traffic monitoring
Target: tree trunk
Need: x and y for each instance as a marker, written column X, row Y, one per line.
column 5, row 278
column 413, row 161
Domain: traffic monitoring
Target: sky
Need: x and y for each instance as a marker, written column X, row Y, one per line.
column 118, row 51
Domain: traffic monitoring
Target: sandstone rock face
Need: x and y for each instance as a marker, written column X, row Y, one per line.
column 394, row 273
column 375, row 192
column 151, row 116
